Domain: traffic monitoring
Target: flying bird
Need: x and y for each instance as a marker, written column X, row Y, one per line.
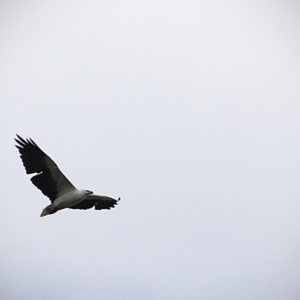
column 54, row 184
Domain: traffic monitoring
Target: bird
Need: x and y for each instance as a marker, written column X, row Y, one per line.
column 54, row 184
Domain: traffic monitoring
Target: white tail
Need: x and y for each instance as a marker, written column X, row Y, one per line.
column 48, row 210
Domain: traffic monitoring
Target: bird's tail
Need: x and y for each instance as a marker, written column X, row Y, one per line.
column 48, row 210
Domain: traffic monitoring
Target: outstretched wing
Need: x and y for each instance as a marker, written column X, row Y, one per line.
column 50, row 180
column 99, row 202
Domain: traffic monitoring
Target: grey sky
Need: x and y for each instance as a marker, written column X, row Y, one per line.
column 187, row 110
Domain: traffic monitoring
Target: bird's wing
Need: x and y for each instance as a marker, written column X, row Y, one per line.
column 50, row 180
column 97, row 201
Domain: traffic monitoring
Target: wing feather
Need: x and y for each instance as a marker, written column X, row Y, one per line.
column 97, row 201
column 50, row 180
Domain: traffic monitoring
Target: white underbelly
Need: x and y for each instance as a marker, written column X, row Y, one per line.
column 69, row 199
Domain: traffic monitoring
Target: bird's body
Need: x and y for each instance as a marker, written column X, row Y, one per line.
column 66, row 200
column 70, row 198
column 53, row 183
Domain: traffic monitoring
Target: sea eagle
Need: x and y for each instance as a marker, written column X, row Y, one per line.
column 54, row 184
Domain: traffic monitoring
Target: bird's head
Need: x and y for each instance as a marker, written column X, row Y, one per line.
column 87, row 192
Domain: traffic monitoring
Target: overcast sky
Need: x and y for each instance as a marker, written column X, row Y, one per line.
column 187, row 110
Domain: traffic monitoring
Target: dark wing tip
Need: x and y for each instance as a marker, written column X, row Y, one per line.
column 23, row 142
column 20, row 140
column 32, row 142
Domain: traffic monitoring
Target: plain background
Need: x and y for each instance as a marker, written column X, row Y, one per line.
column 187, row 110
